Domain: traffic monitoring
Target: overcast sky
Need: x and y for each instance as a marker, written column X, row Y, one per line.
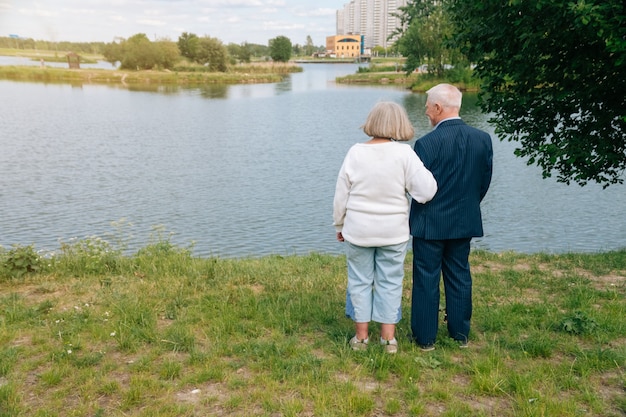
column 252, row 21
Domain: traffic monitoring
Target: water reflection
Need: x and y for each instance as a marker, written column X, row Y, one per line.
column 213, row 91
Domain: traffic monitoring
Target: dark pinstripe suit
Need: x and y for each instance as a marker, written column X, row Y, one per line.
column 460, row 158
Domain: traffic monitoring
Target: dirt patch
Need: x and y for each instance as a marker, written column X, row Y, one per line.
column 366, row 385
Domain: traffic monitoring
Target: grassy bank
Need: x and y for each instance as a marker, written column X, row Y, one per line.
column 89, row 332
column 379, row 77
column 415, row 82
column 240, row 74
column 390, row 72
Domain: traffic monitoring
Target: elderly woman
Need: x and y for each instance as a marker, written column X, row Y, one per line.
column 370, row 213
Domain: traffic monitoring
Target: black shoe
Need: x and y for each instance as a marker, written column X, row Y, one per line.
column 463, row 344
column 427, row 348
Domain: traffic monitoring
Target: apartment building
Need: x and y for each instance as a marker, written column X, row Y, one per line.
column 375, row 20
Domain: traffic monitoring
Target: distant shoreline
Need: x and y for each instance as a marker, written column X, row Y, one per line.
column 247, row 74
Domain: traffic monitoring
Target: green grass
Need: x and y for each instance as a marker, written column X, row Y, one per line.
column 390, row 72
column 415, row 82
column 184, row 76
column 90, row 331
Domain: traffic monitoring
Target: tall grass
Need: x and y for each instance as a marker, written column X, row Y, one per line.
column 94, row 331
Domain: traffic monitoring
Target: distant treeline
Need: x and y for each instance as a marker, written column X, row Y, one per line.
column 28, row 43
column 97, row 48
column 139, row 52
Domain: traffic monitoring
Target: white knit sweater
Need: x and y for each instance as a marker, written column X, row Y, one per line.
column 371, row 206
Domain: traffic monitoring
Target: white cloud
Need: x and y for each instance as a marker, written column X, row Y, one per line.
column 149, row 22
column 316, row 13
column 253, row 21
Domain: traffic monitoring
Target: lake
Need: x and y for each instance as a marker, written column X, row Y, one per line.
column 243, row 170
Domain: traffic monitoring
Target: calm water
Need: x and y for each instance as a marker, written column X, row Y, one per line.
column 241, row 170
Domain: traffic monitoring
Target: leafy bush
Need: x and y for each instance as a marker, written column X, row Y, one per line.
column 19, row 261
column 579, row 323
column 458, row 75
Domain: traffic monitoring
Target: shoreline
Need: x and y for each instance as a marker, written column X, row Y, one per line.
column 249, row 74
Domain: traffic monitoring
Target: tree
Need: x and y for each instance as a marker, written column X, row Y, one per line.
column 296, row 49
column 188, row 45
column 242, row 52
column 138, row 53
column 257, row 50
column 379, row 51
column 553, row 75
column 212, row 53
column 424, row 31
column 206, row 51
column 113, row 52
column 309, row 48
column 168, row 53
column 280, row 49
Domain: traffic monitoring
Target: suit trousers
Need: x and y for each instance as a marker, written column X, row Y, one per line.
column 431, row 260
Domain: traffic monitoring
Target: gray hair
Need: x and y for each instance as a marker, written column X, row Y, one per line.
column 388, row 120
column 446, row 95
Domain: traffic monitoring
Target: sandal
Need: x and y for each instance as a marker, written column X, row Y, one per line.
column 357, row 344
column 391, row 346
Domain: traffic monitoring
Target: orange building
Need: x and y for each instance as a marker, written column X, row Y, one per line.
column 344, row 46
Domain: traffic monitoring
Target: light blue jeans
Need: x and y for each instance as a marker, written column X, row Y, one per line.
column 375, row 278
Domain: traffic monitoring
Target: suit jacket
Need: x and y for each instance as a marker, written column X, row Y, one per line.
column 460, row 158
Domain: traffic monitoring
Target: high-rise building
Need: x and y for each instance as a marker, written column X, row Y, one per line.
column 375, row 20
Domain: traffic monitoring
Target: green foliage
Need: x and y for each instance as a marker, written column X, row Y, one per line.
column 206, row 51
column 212, row 53
column 553, row 75
column 309, row 48
column 460, row 75
column 280, row 49
column 256, row 50
column 168, row 54
column 378, row 68
column 424, row 37
column 20, row 260
column 113, row 52
column 188, row 45
column 242, row 53
column 91, row 256
column 579, row 324
column 139, row 53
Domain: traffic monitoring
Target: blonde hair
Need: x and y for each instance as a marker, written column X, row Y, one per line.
column 388, row 120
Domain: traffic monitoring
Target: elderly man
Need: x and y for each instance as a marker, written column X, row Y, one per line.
column 460, row 158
